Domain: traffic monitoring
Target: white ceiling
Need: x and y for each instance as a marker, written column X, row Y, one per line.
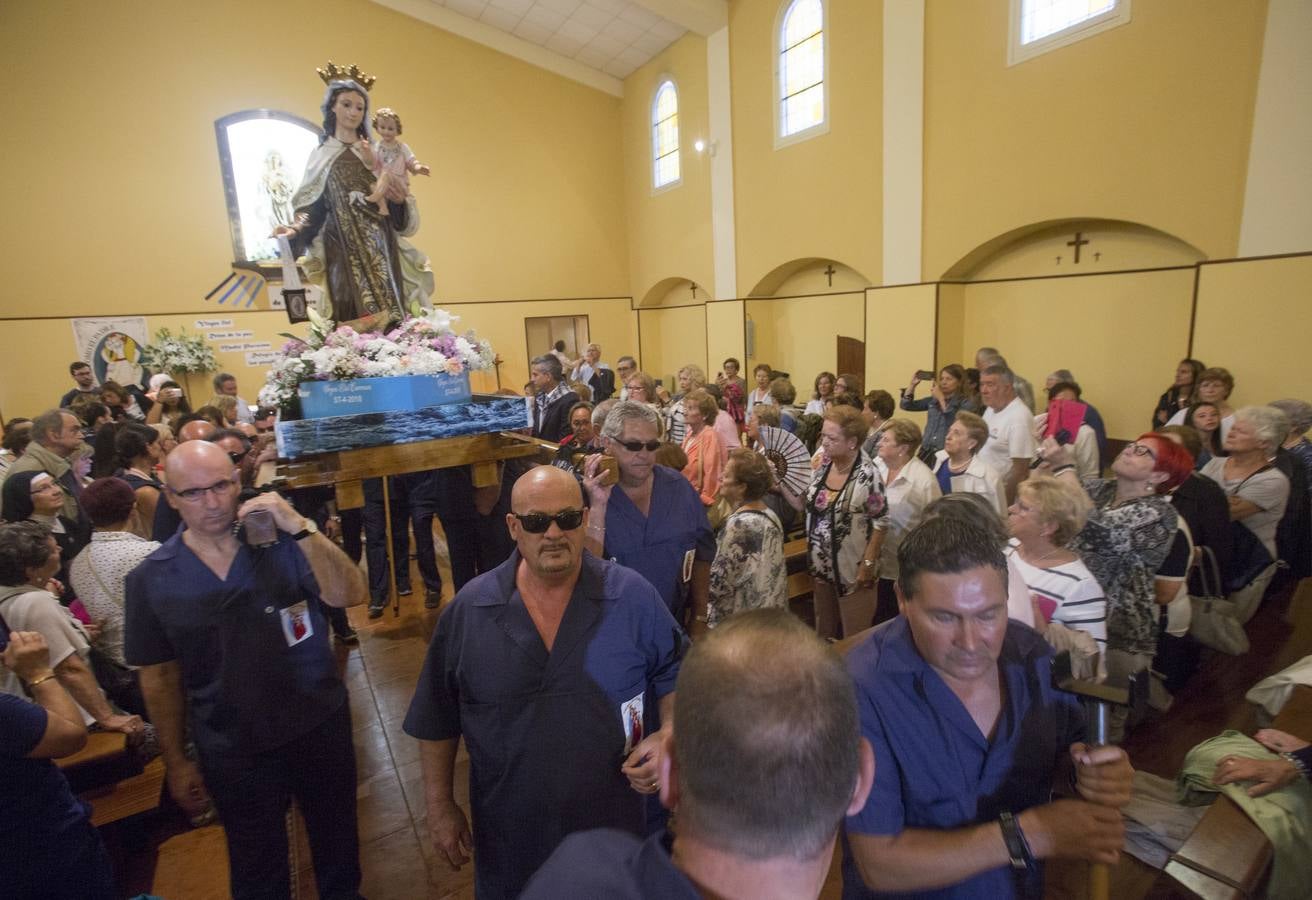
column 611, row 36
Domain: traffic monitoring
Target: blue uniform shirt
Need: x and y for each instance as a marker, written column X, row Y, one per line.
column 933, row 767
column 655, row 545
column 545, row 731
column 248, row 690
column 614, row 865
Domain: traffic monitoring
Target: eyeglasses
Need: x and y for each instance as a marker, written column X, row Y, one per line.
column 238, row 457
column 635, row 446
column 537, row 523
column 1138, row 449
column 195, row 495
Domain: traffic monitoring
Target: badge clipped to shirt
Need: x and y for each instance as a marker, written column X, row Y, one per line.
column 631, row 716
column 296, row 623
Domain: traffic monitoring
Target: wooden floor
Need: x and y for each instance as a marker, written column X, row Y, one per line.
column 380, row 675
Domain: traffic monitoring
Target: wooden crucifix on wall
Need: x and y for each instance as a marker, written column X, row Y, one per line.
column 830, row 271
column 1079, row 242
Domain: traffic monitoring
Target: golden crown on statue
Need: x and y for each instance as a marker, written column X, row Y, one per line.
column 333, row 72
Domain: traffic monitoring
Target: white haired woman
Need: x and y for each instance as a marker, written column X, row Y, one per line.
column 1258, row 492
column 957, row 467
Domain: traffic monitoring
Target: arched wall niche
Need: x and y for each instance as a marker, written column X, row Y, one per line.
column 1049, row 248
column 809, row 275
column 674, row 291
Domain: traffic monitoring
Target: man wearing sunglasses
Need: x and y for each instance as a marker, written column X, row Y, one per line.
column 652, row 520
column 232, row 641
column 550, row 667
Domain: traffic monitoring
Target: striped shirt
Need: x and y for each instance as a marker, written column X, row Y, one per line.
column 1079, row 599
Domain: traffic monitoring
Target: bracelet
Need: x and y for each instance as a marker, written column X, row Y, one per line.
column 1292, row 760
column 1018, row 849
column 42, row 680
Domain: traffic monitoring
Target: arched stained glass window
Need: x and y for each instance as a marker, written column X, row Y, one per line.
column 801, row 75
column 665, row 135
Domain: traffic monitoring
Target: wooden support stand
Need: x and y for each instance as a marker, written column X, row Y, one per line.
column 347, row 471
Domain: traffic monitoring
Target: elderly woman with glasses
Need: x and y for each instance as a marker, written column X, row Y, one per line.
column 1130, row 544
column 651, row 519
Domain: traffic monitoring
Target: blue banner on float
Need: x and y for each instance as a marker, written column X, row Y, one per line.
column 404, row 393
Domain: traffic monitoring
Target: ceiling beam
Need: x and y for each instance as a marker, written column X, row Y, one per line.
column 704, row 17
column 509, row 44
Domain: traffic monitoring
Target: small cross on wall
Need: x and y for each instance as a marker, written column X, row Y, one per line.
column 830, row 271
column 693, row 287
column 1079, row 242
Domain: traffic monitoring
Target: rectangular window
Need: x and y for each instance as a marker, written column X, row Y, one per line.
column 1038, row 26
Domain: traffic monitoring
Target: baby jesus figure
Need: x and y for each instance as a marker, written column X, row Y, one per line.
column 391, row 160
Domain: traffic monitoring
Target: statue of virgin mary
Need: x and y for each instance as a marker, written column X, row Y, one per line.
column 372, row 275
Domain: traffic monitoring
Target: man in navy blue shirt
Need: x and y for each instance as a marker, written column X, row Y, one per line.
column 763, row 764
column 233, row 637
column 970, row 738
column 652, row 520
column 49, row 847
column 546, row 666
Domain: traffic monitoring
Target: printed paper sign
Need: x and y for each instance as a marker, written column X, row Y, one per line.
column 206, row 324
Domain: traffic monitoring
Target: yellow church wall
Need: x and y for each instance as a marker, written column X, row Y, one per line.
column 1254, row 318
column 799, row 335
column 899, row 339
column 611, row 323
column 951, row 338
column 819, row 197
column 34, row 366
column 724, row 335
column 671, row 338
column 120, row 209
column 1120, row 334
column 669, row 230
column 1148, row 123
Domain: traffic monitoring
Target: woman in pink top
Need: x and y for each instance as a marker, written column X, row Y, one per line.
column 702, row 445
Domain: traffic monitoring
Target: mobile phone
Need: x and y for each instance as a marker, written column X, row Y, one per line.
column 925, row 375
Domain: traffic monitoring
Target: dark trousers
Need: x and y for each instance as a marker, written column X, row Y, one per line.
column 420, row 491
column 375, row 533
column 252, row 794
column 477, row 544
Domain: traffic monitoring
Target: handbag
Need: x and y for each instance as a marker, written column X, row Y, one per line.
column 1249, row 557
column 1215, row 619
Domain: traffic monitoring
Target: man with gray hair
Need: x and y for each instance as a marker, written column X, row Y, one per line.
column 992, row 356
column 763, row 764
column 1010, row 446
column 625, row 366
column 56, row 440
column 552, row 399
column 652, row 519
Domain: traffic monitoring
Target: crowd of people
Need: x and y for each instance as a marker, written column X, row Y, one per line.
column 149, row 586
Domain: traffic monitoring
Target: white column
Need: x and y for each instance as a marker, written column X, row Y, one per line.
column 1278, row 193
column 904, row 127
column 721, row 150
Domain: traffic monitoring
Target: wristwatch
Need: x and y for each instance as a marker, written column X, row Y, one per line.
column 310, row 528
column 1018, row 849
column 868, row 563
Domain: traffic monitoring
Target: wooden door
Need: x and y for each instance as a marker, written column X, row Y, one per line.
column 851, row 357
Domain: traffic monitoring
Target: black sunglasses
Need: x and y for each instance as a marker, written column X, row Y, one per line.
column 238, row 457
column 635, row 446
column 537, row 523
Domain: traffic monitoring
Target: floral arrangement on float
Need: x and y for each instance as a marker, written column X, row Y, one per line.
column 337, row 371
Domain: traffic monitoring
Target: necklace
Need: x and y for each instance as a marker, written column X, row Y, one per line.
column 1053, row 552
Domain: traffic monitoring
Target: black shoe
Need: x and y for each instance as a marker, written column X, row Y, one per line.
column 376, row 611
column 347, row 635
column 433, row 599
column 404, row 591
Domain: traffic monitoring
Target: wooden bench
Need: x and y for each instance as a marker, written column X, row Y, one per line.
column 799, row 580
column 97, row 772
